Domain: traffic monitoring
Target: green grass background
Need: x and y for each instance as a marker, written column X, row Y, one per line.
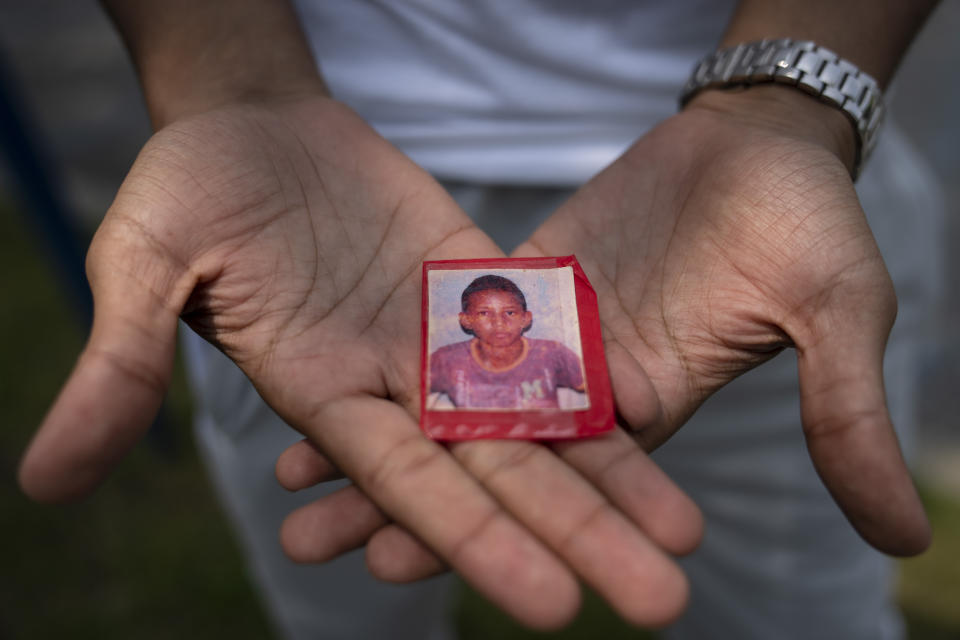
column 150, row 554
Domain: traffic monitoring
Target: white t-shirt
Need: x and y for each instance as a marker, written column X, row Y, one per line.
column 511, row 91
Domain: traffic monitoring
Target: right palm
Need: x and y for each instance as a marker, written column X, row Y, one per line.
column 291, row 236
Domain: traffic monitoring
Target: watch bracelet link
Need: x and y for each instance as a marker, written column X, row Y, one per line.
column 803, row 64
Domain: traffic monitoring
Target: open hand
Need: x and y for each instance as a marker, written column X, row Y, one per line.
column 291, row 236
column 722, row 237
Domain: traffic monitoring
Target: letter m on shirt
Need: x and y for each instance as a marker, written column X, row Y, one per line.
column 533, row 389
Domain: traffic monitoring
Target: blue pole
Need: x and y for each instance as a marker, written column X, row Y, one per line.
column 44, row 207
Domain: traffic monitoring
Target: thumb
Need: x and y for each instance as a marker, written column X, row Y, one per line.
column 116, row 388
column 851, row 438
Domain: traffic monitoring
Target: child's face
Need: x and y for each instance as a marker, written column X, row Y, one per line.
column 496, row 318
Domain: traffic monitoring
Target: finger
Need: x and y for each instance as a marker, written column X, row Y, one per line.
column 346, row 520
column 302, row 466
column 624, row 473
column 326, row 528
column 116, row 388
column 634, row 394
column 852, row 442
column 394, row 555
column 595, row 539
column 613, row 463
column 421, row 487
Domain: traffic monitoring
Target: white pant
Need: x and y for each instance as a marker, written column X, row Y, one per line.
column 778, row 560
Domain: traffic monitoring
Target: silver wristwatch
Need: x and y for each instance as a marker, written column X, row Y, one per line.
column 810, row 68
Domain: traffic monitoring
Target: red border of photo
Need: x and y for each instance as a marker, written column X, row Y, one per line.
column 541, row 424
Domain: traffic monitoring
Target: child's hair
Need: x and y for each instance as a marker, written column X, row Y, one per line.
column 491, row 283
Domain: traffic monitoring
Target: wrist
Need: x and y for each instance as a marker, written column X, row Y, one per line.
column 783, row 110
column 167, row 104
column 196, row 56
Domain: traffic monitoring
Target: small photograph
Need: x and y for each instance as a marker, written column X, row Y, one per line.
column 504, row 340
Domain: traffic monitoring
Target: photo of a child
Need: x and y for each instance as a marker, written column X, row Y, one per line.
column 500, row 367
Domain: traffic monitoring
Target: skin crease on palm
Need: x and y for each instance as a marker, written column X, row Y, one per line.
column 291, row 236
column 713, row 246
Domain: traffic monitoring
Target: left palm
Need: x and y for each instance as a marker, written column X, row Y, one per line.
column 713, row 246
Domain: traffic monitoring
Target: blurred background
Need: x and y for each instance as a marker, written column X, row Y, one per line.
column 150, row 555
